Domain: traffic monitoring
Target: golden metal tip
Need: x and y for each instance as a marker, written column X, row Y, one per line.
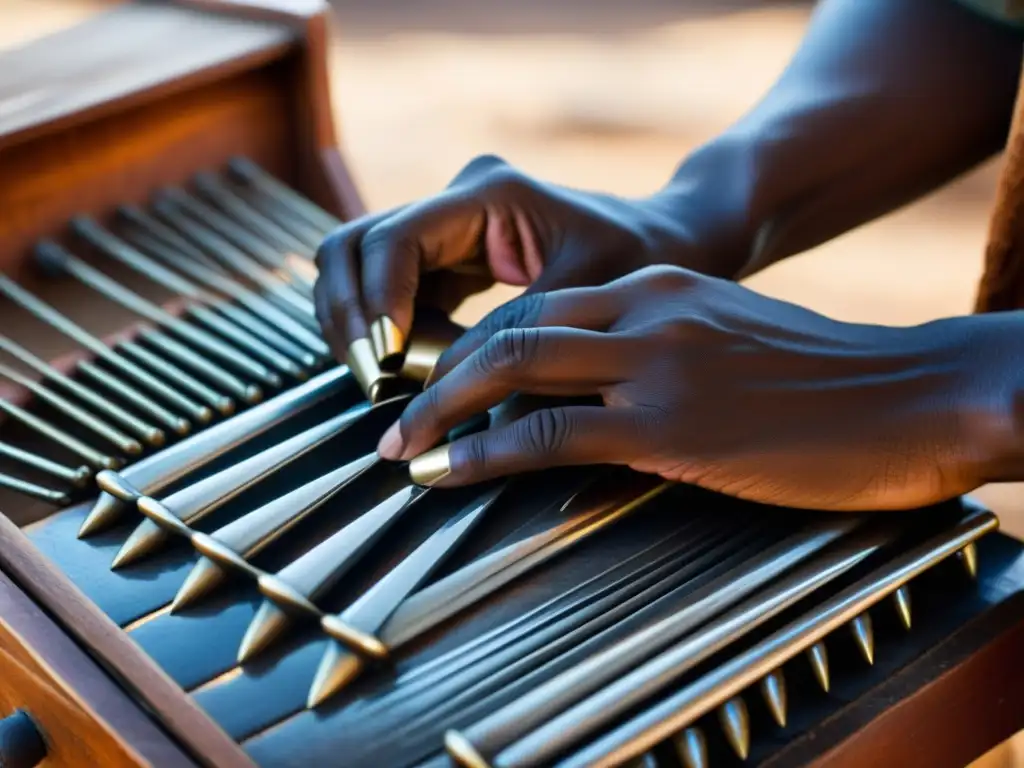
column 384, row 388
column 362, row 362
column 735, row 721
column 354, row 638
column 155, row 438
column 268, row 623
column 338, row 667
column 144, row 540
column 388, row 342
column 692, row 748
column 253, row 394
column 201, row 580
column 864, row 635
column 432, row 466
column 968, row 557
column 105, row 512
column 461, row 750
column 773, row 689
column 901, row 597
column 818, row 657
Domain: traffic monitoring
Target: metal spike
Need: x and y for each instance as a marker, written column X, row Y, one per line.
column 735, row 722
column 269, row 622
column 58, row 498
column 901, row 597
column 864, row 635
column 52, row 432
column 179, row 425
column 968, row 557
column 773, row 689
column 76, row 476
column 692, row 748
column 817, row 655
column 205, row 575
column 338, row 667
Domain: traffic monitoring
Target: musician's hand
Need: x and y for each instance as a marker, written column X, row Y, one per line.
column 509, row 227
column 706, row 382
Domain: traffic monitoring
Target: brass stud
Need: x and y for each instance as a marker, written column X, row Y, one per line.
column 773, row 690
column 864, row 636
column 735, row 722
column 901, row 598
column 817, row 655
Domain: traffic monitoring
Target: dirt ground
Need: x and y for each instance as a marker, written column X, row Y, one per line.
column 610, row 94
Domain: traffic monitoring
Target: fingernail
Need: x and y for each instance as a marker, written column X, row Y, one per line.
column 388, row 341
column 362, row 361
column 390, row 445
column 430, row 467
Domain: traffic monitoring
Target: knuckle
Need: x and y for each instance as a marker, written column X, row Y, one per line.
column 504, row 181
column 509, row 350
column 518, row 313
column 665, row 278
column 478, row 166
column 544, row 432
column 336, row 242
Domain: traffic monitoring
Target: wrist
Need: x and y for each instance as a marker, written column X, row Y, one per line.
column 988, row 355
column 707, row 206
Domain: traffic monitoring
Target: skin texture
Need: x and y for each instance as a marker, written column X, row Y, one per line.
column 697, row 378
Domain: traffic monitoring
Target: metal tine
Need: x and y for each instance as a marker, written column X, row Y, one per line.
column 195, row 501
column 87, row 453
column 232, row 322
column 968, row 557
column 901, row 599
column 119, row 388
column 231, row 546
column 571, row 706
column 585, row 515
column 692, row 748
column 693, row 700
column 864, row 636
column 25, row 488
column 216, row 191
column 354, row 630
column 54, row 258
column 152, row 436
column 294, row 588
column 125, row 444
column 153, row 473
column 223, row 404
column 74, row 476
column 773, row 691
column 257, row 305
column 245, row 169
column 263, row 252
column 49, row 315
column 817, row 657
column 53, row 255
column 283, row 217
column 276, row 287
column 735, row 721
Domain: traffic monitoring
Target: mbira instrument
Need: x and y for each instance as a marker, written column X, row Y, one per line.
column 204, row 562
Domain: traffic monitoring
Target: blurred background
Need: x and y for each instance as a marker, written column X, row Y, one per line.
column 610, row 94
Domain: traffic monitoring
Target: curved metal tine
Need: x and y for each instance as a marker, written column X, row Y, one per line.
column 154, row 473
column 344, row 658
column 623, row 673
column 213, row 188
column 52, row 317
column 276, row 288
column 74, row 476
column 684, row 706
column 245, row 169
column 25, row 488
column 115, row 437
column 260, row 250
column 170, row 348
column 87, row 453
column 120, row 389
column 244, row 538
column 55, row 258
column 294, row 588
column 235, row 323
column 257, row 305
column 194, row 502
column 152, row 436
column 444, row 598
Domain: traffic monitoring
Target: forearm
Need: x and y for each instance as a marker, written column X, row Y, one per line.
column 884, row 101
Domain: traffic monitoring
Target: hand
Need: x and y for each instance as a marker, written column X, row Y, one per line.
column 703, row 381
column 512, row 228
